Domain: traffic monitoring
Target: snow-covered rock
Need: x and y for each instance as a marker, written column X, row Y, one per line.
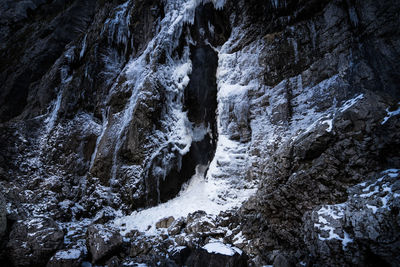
column 33, row 241
column 66, row 258
column 102, row 241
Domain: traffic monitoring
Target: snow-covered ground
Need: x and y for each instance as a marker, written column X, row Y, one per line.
column 198, row 194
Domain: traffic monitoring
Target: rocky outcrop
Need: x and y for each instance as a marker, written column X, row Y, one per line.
column 33, row 241
column 365, row 225
column 165, row 222
column 108, row 107
column 102, row 242
column 66, row 258
column 312, row 162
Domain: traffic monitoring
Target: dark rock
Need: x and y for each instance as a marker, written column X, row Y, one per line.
column 199, row 222
column 281, row 261
column 201, row 257
column 139, row 247
column 180, row 254
column 3, row 216
column 364, row 225
column 113, row 262
column 102, row 241
column 66, row 258
column 33, row 241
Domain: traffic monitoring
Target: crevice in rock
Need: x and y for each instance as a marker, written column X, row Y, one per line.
column 200, row 102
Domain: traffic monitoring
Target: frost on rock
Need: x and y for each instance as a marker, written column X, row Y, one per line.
column 221, row 185
column 366, row 215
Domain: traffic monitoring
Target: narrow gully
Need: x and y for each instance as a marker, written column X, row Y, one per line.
column 200, row 103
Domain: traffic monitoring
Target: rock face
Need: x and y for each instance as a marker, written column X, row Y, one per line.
column 3, row 217
column 33, row 241
column 366, row 224
column 102, row 241
column 110, row 107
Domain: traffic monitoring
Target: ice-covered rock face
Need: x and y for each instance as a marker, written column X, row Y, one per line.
column 109, row 107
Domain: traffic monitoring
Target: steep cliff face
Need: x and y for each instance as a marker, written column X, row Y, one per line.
column 278, row 119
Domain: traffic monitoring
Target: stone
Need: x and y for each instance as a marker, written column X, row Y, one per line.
column 180, row 254
column 102, row 241
column 165, row 222
column 66, row 258
column 33, row 241
column 140, row 247
column 201, row 257
column 176, row 227
column 199, row 222
column 113, row 262
column 281, row 261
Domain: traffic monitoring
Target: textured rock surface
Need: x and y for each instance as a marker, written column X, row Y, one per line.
column 66, row 258
column 367, row 225
column 3, row 217
column 165, row 223
column 106, row 108
column 33, row 241
column 201, row 257
column 102, row 241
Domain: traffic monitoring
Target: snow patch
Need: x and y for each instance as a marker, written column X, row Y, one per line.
column 221, row 248
column 70, row 254
column 391, row 114
column 351, row 102
column 198, row 194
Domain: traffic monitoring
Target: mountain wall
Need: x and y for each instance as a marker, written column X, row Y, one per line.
column 285, row 114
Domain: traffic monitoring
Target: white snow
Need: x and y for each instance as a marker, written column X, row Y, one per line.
column 333, row 211
column 351, row 102
column 353, row 15
column 82, row 53
column 330, row 125
column 391, row 114
column 221, row 248
column 198, row 194
column 238, row 238
column 51, row 120
column 346, row 239
column 70, row 254
column 374, row 208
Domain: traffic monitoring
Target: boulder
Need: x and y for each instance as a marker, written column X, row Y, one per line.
column 217, row 254
column 199, row 222
column 176, row 227
column 139, row 248
column 33, row 241
column 66, row 258
column 180, row 254
column 102, row 241
column 281, row 261
column 165, row 222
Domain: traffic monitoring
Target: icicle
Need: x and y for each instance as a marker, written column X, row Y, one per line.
column 51, row 120
column 100, row 137
column 295, row 49
column 82, row 53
